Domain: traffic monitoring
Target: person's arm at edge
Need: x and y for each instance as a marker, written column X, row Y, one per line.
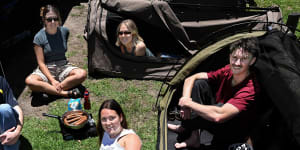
column 21, row 119
column 133, row 142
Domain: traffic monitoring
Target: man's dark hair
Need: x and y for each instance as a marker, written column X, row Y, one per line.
column 250, row 45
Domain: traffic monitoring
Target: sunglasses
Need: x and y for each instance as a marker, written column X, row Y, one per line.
column 51, row 19
column 125, row 32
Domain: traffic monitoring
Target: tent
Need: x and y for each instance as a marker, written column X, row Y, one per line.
column 278, row 71
column 198, row 34
column 174, row 28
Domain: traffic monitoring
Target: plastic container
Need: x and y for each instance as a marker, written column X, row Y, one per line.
column 87, row 103
column 74, row 104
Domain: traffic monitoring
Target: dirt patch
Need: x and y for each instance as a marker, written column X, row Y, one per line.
column 77, row 54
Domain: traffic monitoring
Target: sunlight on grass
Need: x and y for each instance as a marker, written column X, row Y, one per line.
column 135, row 101
column 287, row 7
column 137, row 98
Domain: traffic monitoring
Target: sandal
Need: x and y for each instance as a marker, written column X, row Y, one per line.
column 74, row 93
column 174, row 115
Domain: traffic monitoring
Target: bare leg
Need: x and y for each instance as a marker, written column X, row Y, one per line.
column 173, row 127
column 193, row 141
column 75, row 77
column 180, row 145
column 36, row 84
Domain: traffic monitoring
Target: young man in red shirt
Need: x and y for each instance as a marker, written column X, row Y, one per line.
column 223, row 101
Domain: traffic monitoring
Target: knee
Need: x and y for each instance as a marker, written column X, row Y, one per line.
column 81, row 74
column 200, row 83
column 5, row 109
column 29, row 81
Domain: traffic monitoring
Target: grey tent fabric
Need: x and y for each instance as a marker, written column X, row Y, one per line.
column 144, row 10
column 163, row 31
column 104, row 56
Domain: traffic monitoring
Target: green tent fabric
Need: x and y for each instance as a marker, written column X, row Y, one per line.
column 278, row 72
column 186, row 71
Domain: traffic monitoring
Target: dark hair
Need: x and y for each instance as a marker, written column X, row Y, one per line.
column 113, row 105
column 44, row 10
column 250, row 45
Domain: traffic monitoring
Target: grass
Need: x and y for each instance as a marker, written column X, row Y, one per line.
column 287, row 7
column 136, row 98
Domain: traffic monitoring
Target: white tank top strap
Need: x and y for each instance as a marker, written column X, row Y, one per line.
column 112, row 144
column 125, row 132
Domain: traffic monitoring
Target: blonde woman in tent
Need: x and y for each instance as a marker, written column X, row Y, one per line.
column 113, row 130
column 129, row 40
column 54, row 75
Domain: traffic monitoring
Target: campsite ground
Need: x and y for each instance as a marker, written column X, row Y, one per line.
column 77, row 53
column 137, row 98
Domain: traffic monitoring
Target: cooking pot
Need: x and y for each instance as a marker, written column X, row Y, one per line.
column 74, row 119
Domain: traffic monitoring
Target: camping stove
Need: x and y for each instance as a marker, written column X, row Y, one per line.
column 89, row 130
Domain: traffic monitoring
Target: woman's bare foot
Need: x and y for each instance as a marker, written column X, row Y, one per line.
column 173, row 127
column 180, row 145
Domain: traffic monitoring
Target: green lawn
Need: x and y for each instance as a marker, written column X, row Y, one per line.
column 136, row 97
column 287, row 7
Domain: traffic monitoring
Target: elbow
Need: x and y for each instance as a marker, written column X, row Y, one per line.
column 189, row 79
column 218, row 119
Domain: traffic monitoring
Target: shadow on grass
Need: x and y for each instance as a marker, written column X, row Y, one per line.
column 25, row 144
column 40, row 99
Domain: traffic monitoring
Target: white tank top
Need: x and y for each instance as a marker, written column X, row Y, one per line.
column 112, row 143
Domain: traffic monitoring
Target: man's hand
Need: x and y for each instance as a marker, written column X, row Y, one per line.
column 9, row 137
column 184, row 101
column 185, row 111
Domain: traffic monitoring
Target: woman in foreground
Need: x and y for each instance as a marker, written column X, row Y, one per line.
column 113, row 130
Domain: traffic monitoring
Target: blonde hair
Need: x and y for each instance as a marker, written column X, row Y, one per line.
column 44, row 10
column 132, row 28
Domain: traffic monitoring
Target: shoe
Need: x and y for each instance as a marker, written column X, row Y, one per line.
column 75, row 93
column 172, row 115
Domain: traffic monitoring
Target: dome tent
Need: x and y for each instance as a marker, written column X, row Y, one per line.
column 278, row 72
column 167, row 27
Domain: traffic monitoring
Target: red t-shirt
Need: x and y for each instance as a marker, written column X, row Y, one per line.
column 241, row 96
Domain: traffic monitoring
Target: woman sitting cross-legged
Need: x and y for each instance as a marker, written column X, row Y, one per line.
column 54, row 75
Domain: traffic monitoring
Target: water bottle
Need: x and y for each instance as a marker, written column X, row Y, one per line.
column 87, row 103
